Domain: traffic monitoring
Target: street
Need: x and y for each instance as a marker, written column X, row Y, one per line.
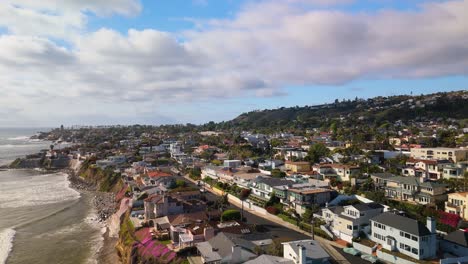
column 276, row 230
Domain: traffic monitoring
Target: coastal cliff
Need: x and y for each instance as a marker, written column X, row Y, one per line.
column 124, row 247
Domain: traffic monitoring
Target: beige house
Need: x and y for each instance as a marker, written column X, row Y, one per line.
column 341, row 172
column 457, row 204
column 346, row 222
column 452, row 154
column 298, row 166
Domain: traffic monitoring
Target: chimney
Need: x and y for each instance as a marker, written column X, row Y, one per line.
column 236, row 254
column 431, row 225
column 302, row 258
column 208, row 233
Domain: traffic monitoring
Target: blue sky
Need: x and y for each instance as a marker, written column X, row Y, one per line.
column 179, row 61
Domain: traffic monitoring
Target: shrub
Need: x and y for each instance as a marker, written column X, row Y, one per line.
column 272, row 210
column 230, row 214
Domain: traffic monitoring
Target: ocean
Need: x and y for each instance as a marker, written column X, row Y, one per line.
column 42, row 220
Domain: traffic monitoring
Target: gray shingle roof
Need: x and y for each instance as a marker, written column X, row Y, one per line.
column 402, row 223
column 275, row 181
column 268, row 259
column 458, row 237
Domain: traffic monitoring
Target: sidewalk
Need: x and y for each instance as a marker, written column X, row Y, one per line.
column 326, row 244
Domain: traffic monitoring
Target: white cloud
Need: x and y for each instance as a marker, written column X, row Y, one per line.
column 58, row 18
column 265, row 47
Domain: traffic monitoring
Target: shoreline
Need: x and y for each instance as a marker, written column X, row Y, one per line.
column 105, row 206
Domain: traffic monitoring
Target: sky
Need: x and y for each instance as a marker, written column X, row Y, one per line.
column 92, row 62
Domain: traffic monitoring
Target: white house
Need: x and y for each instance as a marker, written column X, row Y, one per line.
column 405, row 235
column 347, row 221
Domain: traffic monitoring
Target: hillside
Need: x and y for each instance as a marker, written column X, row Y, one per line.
column 375, row 111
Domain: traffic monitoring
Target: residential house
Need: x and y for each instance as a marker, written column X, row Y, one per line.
column 346, row 222
column 452, row 154
column 405, row 235
column 158, row 205
column 302, row 197
column 269, row 259
column 454, row 171
column 430, row 169
column 457, row 203
column 340, row 172
column 410, row 189
column 298, row 166
column 226, row 248
column 295, row 154
column 455, row 243
column 190, row 228
column 270, row 164
column 264, row 187
column 232, row 164
column 305, row 252
column 230, row 175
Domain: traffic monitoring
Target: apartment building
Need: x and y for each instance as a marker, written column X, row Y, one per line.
column 452, row 154
column 411, row 189
column 407, row 236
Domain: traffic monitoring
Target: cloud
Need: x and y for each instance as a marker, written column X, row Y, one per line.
column 266, row 46
column 61, row 19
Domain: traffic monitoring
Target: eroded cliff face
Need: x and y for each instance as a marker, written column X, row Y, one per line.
column 105, row 180
column 125, row 245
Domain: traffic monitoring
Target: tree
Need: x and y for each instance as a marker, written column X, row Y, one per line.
column 195, row 173
column 276, row 173
column 465, row 180
column 316, row 152
column 180, row 183
column 244, row 194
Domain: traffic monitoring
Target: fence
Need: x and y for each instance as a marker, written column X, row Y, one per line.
column 362, row 248
column 392, row 258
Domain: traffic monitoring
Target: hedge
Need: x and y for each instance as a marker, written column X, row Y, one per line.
column 230, row 214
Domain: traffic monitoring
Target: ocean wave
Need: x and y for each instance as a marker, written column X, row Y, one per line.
column 19, row 138
column 37, row 190
column 6, row 243
column 98, row 238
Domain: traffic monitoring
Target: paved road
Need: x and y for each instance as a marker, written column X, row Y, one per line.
column 351, row 258
column 276, row 230
column 281, row 230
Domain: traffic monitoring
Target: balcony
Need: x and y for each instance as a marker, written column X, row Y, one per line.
column 456, row 208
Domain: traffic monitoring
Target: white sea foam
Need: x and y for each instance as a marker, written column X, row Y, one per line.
column 36, row 190
column 22, row 138
column 6, row 243
column 98, row 238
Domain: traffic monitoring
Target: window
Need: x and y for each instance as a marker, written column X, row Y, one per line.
column 350, row 227
column 414, row 238
column 421, row 252
column 407, row 235
column 414, row 251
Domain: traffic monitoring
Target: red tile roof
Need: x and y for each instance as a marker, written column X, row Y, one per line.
column 156, row 174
